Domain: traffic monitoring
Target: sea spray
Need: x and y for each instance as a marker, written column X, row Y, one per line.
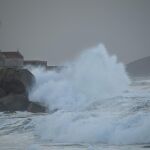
column 93, row 76
column 91, row 102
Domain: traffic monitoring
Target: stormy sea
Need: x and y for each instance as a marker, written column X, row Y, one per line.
column 92, row 105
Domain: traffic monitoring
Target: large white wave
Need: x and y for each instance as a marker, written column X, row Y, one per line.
column 93, row 76
column 91, row 102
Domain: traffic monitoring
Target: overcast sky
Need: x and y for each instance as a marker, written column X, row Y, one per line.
column 57, row 30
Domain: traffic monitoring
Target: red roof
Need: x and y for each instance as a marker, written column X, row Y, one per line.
column 12, row 54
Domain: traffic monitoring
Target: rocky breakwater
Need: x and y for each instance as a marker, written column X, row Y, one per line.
column 15, row 85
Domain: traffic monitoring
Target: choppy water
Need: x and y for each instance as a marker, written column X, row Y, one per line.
column 18, row 130
column 98, row 108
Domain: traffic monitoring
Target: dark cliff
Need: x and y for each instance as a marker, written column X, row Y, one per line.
column 16, row 81
column 139, row 67
column 15, row 85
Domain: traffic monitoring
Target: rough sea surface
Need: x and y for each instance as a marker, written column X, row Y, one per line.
column 92, row 105
column 124, row 125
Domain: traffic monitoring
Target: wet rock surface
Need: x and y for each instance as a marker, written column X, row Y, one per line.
column 15, row 85
column 35, row 107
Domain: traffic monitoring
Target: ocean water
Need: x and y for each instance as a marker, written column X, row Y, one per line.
column 92, row 105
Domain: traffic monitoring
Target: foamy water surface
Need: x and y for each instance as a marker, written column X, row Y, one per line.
column 96, row 105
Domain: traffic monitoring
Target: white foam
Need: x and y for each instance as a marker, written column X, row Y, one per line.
column 33, row 147
column 94, row 79
column 93, row 76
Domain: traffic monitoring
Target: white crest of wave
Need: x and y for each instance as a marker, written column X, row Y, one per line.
column 86, row 94
column 93, row 76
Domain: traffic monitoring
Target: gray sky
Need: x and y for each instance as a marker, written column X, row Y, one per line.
column 57, row 30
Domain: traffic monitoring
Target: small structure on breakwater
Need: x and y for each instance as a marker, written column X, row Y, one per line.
column 35, row 63
column 14, row 59
column 11, row 59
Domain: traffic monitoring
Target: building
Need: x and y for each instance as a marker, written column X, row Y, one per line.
column 11, row 59
column 35, row 63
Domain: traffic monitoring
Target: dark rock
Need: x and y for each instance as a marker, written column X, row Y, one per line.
column 2, row 107
column 35, row 107
column 14, row 87
column 2, row 93
column 18, row 102
column 16, row 81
